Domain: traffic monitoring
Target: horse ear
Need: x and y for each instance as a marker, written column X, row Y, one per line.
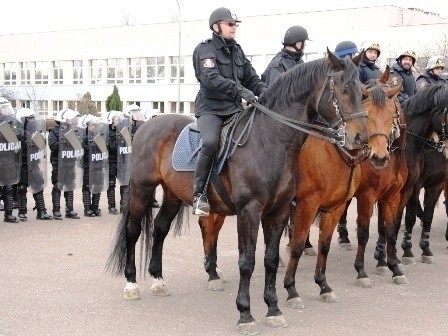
column 365, row 91
column 334, row 61
column 358, row 58
column 394, row 91
column 385, row 75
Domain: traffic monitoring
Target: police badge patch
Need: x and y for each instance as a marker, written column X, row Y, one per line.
column 208, row 63
column 422, row 84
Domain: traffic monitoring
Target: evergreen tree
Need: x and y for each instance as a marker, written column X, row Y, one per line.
column 113, row 102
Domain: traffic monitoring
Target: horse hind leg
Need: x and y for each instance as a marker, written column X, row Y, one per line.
column 343, row 240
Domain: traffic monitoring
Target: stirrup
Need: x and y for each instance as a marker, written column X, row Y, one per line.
column 201, row 207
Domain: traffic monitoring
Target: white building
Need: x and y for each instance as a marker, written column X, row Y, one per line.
column 52, row 70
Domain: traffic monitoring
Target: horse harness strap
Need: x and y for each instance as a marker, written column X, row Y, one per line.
column 221, row 190
column 353, row 160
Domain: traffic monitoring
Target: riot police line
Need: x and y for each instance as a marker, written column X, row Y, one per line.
column 86, row 152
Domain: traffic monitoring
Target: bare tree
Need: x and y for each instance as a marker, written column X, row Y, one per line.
column 128, row 19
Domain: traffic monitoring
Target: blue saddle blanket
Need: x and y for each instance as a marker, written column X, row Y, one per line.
column 187, row 147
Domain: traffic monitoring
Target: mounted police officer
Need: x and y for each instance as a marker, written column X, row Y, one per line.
column 34, row 160
column 289, row 56
column 226, row 76
column 66, row 159
column 10, row 157
column 346, row 49
column 432, row 75
column 401, row 73
column 368, row 69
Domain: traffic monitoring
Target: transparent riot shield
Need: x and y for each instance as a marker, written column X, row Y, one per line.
column 36, row 143
column 70, row 157
column 124, row 151
column 98, row 157
column 10, row 150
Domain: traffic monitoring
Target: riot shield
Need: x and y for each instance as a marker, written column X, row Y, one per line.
column 98, row 157
column 70, row 157
column 124, row 150
column 10, row 151
column 36, row 143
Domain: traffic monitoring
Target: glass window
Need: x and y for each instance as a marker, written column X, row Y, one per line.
column 159, row 106
column 25, row 73
column 10, row 74
column 115, row 71
column 77, row 72
column 41, row 107
column 135, row 70
column 97, row 67
column 41, row 72
column 58, row 105
column 174, row 68
column 155, row 69
column 58, row 73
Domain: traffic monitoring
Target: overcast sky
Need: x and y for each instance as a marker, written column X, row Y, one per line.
column 43, row 15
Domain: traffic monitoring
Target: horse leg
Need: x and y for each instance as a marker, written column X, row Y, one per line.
column 410, row 217
column 309, row 249
column 303, row 218
column 273, row 227
column 432, row 194
column 365, row 210
column 328, row 223
column 343, row 240
column 162, row 223
column 380, row 248
column 210, row 228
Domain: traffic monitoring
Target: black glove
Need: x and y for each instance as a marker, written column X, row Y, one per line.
column 248, row 95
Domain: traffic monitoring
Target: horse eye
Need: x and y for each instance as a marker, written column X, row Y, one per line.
column 344, row 90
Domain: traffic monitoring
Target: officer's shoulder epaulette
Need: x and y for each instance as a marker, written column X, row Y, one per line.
column 206, row 41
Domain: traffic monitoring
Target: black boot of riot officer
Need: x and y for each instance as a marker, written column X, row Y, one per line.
column 40, row 206
column 204, row 165
column 95, row 204
column 69, row 211
column 86, row 199
column 56, row 200
column 9, row 205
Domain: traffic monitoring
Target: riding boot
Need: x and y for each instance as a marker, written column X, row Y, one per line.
column 22, row 206
column 155, row 204
column 69, row 211
column 204, row 165
column 111, row 201
column 87, row 203
column 40, row 206
column 95, row 204
column 8, row 200
column 124, row 194
column 56, row 199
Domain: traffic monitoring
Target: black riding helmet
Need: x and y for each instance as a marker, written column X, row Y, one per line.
column 345, row 48
column 221, row 14
column 295, row 34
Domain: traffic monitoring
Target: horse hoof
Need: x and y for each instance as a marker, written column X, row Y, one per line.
column 364, row 283
column 346, row 246
column 159, row 288
column 400, row 280
column 310, row 251
column 329, row 297
column 220, row 274
column 408, row 260
column 249, row 328
column 215, row 285
column 131, row 291
column 281, row 263
column 276, row 321
column 382, row 270
column 295, row 303
column 428, row 259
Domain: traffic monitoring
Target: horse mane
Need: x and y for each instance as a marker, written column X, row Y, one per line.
column 296, row 84
column 432, row 96
column 378, row 95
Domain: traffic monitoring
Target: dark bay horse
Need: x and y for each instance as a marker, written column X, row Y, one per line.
column 257, row 178
column 328, row 178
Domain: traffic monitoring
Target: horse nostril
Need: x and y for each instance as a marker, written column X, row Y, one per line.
column 359, row 139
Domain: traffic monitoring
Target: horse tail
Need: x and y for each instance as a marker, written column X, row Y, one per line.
column 146, row 238
column 181, row 216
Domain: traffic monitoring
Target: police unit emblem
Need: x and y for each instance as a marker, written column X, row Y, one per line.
column 422, row 84
column 395, row 81
column 209, row 63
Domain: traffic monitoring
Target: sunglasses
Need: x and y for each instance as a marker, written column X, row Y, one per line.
column 230, row 24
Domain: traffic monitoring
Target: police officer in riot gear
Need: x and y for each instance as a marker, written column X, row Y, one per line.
column 401, row 73
column 432, row 75
column 289, row 56
column 368, row 69
column 10, row 157
column 63, row 177
column 226, row 77
column 113, row 120
column 26, row 117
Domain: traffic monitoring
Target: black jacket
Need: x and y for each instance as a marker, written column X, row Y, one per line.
column 368, row 70
column 407, row 77
column 428, row 78
column 222, row 69
column 53, row 143
column 282, row 62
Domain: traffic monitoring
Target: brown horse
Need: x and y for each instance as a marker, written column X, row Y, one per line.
column 257, row 178
column 328, row 178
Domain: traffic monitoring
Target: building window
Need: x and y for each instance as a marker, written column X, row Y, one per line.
column 25, row 73
column 57, row 106
column 155, row 69
column 174, row 68
column 135, row 70
column 10, row 74
column 159, row 106
column 115, row 71
column 58, row 73
column 97, row 71
column 174, row 107
column 77, row 72
column 41, row 71
column 41, row 107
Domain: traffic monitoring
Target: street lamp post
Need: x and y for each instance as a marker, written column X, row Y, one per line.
column 178, row 61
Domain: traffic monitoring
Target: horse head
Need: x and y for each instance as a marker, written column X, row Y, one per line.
column 379, row 100
column 339, row 100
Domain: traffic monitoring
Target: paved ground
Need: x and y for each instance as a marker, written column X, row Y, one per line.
column 53, row 283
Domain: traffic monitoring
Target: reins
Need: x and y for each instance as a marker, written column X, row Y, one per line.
column 437, row 145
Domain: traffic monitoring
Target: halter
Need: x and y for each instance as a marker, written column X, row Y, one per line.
column 438, row 145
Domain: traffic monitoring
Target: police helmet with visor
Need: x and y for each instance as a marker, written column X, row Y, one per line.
column 409, row 53
column 374, row 46
column 435, row 62
column 135, row 112
column 65, row 115
column 111, row 115
column 5, row 107
column 23, row 113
